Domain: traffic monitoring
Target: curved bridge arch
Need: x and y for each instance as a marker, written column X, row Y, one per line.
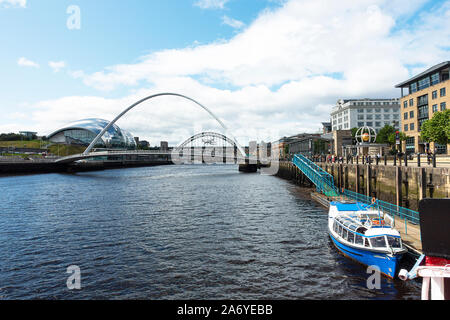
column 89, row 148
column 206, row 134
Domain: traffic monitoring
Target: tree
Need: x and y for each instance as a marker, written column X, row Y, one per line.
column 437, row 129
column 384, row 134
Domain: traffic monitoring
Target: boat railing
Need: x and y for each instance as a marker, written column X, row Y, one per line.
column 393, row 210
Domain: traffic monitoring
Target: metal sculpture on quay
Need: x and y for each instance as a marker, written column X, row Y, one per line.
column 366, row 135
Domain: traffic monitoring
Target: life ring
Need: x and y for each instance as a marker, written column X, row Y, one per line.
column 378, row 222
column 374, row 200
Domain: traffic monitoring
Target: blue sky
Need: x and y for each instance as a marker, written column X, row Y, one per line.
column 268, row 68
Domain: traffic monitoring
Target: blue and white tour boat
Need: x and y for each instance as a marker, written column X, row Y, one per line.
column 365, row 234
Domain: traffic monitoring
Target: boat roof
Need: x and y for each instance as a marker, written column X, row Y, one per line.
column 357, row 206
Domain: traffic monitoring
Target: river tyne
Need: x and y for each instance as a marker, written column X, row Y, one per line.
column 173, row 232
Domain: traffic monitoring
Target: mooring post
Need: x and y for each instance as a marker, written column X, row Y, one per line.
column 385, row 159
column 418, row 160
column 422, row 184
column 434, row 160
column 357, row 178
column 406, row 159
column 368, row 177
column 398, row 185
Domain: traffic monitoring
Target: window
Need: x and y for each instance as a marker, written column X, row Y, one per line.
column 411, row 102
column 434, row 95
column 360, row 110
column 369, row 124
column 389, row 109
column 405, row 127
column 351, row 237
column 413, row 87
column 405, row 104
column 360, row 124
column 377, row 124
column 360, row 117
column 435, row 108
column 442, row 91
column 421, row 121
column 369, row 117
column 411, row 127
column 387, row 117
column 435, row 78
column 377, row 110
column 378, row 117
column 405, row 116
column 422, row 100
column 424, row 83
column 396, row 116
column 422, row 112
column 411, row 114
column 358, row 239
column 344, row 234
column 340, row 230
column 394, row 242
column 369, row 110
column 410, row 148
column 366, row 242
column 378, row 242
column 443, row 106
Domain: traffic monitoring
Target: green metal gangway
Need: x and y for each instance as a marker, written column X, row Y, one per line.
column 323, row 181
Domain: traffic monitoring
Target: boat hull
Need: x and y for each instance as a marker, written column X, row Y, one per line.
column 386, row 263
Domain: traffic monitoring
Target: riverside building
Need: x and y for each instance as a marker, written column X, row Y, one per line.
column 422, row 96
column 357, row 113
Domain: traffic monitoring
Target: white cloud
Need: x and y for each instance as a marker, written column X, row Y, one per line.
column 211, row 4
column 232, row 22
column 24, row 62
column 278, row 76
column 57, row 65
column 13, row 3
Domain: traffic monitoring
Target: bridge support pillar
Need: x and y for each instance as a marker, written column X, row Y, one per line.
column 248, row 167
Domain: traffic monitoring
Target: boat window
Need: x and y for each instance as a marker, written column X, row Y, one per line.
column 344, row 234
column 394, row 242
column 351, row 237
column 358, row 239
column 378, row 242
column 340, row 230
column 366, row 242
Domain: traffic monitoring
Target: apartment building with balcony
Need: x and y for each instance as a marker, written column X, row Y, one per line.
column 421, row 97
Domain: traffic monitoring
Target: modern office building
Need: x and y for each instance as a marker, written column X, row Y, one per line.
column 422, row 96
column 374, row 113
column 83, row 132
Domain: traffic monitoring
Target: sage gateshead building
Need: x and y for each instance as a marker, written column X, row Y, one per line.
column 83, row 132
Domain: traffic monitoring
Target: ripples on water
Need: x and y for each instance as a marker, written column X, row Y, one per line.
column 173, row 232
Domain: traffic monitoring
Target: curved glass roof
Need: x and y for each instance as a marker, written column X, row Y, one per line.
column 114, row 135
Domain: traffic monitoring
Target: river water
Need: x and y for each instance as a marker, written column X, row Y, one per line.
column 173, row 232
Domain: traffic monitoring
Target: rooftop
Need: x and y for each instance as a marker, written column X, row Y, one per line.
column 429, row 71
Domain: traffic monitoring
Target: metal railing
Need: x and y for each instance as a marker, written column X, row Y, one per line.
column 405, row 214
column 323, row 180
